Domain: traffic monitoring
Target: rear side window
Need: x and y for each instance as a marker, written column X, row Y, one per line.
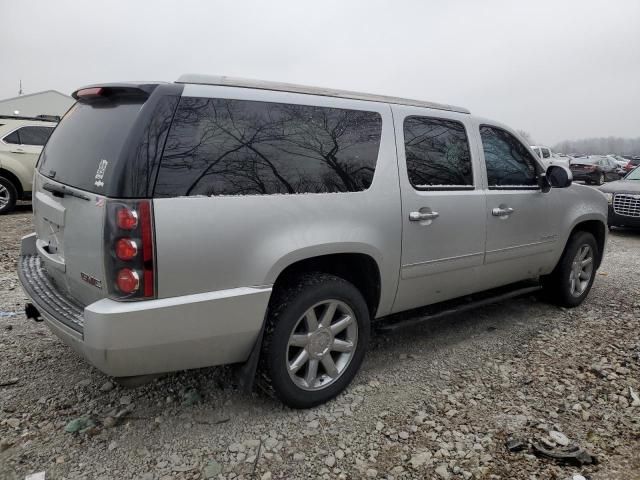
column 238, row 147
column 545, row 153
column 508, row 162
column 13, row 138
column 83, row 150
column 37, row 136
column 437, row 152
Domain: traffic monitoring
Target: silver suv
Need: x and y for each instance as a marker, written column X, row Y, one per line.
column 215, row 221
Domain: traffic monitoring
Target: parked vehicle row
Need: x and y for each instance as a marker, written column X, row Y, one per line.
column 21, row 141
column 214, row 221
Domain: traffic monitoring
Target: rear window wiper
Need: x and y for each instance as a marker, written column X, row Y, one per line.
column 61, row 191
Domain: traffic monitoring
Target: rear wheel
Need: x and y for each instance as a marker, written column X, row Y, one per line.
column 570, row 282
column 8, row 196
column 315, row 339
column 600, row 179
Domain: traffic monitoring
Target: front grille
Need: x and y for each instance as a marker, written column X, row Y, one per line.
column 46, row 296
column 626, row 204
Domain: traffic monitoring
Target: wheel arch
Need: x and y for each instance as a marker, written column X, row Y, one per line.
column 598, row 229
column 357, row 267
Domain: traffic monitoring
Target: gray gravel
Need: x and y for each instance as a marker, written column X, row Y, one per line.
column 435, row 401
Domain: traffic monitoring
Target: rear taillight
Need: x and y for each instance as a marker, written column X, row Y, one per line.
column 127, row 280
column 126, row 219
column 126, row 249
column 130, row 250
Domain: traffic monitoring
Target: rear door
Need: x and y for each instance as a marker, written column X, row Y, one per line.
column 443, row 207
column 519, row 227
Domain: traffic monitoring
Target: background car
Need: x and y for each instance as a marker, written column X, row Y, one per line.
column 596, row 169
column 549, row 157
column 21, row 141
column 624, row 200
column 632, row 163
column 622, row 162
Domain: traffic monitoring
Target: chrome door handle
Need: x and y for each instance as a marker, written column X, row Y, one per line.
column 502, row 212
column 19, row 150
column 418, row 217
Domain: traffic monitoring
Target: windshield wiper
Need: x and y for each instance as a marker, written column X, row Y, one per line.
column 61, row 191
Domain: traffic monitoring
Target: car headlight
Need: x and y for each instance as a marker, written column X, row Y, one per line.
column 609, row 197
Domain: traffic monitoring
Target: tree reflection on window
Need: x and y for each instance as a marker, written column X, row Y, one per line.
column 437, row 153
column 237, row 147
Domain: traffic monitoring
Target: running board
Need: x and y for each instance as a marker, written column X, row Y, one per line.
column 439, row 310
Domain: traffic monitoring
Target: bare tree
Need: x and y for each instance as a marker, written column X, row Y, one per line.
column 526, row 135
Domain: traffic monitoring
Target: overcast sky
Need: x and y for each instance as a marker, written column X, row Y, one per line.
column 557, row 69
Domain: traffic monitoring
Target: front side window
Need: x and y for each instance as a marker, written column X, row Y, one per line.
column 437, row 152
column 546, row 153
column 36, row 136
column 237, row 147
column 508, row 162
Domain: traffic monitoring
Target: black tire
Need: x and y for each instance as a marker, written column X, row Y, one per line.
column 557, row 285
column 285, row 312
column 11, row 195
column 601, row 179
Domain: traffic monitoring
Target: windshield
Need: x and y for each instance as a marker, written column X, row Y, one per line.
column 83, row 151
column 633, row 174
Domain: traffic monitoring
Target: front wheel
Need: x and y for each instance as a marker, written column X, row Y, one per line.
column 600, row 179
column 570, row 282
column 315, row 339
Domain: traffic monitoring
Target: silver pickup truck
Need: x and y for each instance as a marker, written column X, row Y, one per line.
column 216, row 221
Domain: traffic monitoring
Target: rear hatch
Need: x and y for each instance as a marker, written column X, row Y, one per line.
column 100, row 150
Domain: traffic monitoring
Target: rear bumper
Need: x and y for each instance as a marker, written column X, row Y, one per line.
column 155, row 336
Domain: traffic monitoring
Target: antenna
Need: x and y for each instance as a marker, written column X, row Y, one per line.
column 20, row 91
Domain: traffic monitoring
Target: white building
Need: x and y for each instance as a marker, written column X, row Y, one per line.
column 49, row 102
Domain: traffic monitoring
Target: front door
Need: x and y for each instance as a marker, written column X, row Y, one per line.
column 520, row 239
column 443, row 207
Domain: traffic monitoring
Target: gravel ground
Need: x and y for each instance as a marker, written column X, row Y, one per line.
column 434, row 401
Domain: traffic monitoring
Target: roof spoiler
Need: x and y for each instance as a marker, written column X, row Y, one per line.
column 106, row 91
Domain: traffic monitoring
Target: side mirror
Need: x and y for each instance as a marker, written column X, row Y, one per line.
column 559, row 176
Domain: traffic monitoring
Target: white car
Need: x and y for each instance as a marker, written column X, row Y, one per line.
column 21, row 141
column 548, row 157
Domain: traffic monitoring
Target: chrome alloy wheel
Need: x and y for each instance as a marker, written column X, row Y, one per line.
column 4, row 196
column 581, row 270
column 322, row 345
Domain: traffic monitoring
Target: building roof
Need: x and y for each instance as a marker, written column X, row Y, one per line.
column 35, row 93
column 327, row 92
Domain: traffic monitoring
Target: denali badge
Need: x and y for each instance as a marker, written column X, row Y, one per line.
column 91, row 280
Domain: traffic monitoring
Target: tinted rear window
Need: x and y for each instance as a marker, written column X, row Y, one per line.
column 85, row 148
column 238, row 147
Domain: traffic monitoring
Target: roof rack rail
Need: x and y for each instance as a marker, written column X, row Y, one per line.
column 327, row 92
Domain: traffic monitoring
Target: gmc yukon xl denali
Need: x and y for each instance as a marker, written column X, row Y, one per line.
column 215, row 221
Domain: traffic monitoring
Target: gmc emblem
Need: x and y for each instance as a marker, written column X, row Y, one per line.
column 91, row 280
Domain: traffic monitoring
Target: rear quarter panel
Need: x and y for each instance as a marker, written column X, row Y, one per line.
column 213, row 243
